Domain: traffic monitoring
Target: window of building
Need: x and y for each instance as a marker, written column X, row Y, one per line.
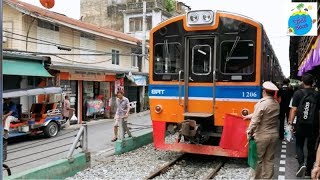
column 87, row 47
column 47, row 25
column 149, row 23
column 115, row 57
column 134, row 61
column 237, row 57
column 88, row 36
column 135, row 24
column 49, row 34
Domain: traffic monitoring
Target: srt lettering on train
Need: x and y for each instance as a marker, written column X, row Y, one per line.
column 157, row 91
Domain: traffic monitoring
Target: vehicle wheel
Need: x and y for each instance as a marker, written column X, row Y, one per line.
column 51, row 129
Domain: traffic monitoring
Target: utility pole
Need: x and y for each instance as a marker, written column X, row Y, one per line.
column 144, row 11
column 144, row 68
column 1, row 88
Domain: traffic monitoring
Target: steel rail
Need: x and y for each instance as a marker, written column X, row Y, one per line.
column 165, row 167
column 46, row 140
column 38, row 152
column 24, row 148
column 215, row 171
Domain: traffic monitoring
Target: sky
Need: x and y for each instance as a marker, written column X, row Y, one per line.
column 272, row 14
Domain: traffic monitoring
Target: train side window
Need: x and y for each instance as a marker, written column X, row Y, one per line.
column 201, row 59
column 167, row 59
column 237, row 57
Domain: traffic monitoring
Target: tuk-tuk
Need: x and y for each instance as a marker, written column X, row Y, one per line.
column 44, row 117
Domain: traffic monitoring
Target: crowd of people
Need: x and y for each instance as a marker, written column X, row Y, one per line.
column 298, row 107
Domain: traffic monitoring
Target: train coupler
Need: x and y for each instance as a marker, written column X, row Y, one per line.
column 189, row 128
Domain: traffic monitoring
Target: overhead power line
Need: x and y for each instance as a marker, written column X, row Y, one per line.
column 44, row 42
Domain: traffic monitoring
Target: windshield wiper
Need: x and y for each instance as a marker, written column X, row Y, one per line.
column 231, row 52
column 167, row 56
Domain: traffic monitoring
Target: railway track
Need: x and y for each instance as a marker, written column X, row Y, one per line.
column 214, row 172
column 211, row 173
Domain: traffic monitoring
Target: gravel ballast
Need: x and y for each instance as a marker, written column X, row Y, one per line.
column 234, row 169
column 137, row 164
column 140, row 163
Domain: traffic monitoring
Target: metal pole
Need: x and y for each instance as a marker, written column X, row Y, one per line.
column 75, row 142
column 85, row 138
column 121, row 129
column 144, row 36
column 1, row 89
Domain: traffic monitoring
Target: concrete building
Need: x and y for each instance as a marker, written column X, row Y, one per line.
column 126, row 15
column 156, row 13
column 87, row 61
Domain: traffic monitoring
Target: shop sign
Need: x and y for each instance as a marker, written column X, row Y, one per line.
column 88, row 77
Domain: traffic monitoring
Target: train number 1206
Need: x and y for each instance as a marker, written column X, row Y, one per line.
column 249, row 94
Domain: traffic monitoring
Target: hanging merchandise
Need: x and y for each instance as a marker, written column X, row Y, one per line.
column 119, row 85
column 95, row 107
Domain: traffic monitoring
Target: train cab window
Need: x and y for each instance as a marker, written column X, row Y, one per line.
column 237, row 57
column 167, row 58
column 201, row 59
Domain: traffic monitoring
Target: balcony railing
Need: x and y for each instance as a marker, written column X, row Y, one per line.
column 304, row 47
column 150, row 5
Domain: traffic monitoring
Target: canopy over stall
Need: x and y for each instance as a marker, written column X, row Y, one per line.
column 31, row 92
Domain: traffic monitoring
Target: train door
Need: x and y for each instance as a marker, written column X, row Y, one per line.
column 199, row 76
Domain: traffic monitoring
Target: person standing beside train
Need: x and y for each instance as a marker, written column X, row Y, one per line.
column 285, row 94
column 305, row 105
column 264, row 129
column 122, row 113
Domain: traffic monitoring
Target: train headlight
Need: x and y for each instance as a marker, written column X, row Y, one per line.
column 158, row 109
column 245, row 112
column 203, row 17
column 194, row 17
column 207, row 17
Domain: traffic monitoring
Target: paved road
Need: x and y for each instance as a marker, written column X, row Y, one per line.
column 100, row 135
column 29, row 152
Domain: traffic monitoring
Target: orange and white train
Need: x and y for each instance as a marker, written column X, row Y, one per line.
column 203, row 65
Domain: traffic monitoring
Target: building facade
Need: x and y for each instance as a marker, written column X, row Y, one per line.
column 127, row 16
column 85, row 60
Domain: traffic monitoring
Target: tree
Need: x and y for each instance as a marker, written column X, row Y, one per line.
column 170, row 5
column 300, row 6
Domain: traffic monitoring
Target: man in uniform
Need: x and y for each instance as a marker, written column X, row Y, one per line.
column 264, row 128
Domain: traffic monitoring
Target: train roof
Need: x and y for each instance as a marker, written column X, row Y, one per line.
column 240, row 15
